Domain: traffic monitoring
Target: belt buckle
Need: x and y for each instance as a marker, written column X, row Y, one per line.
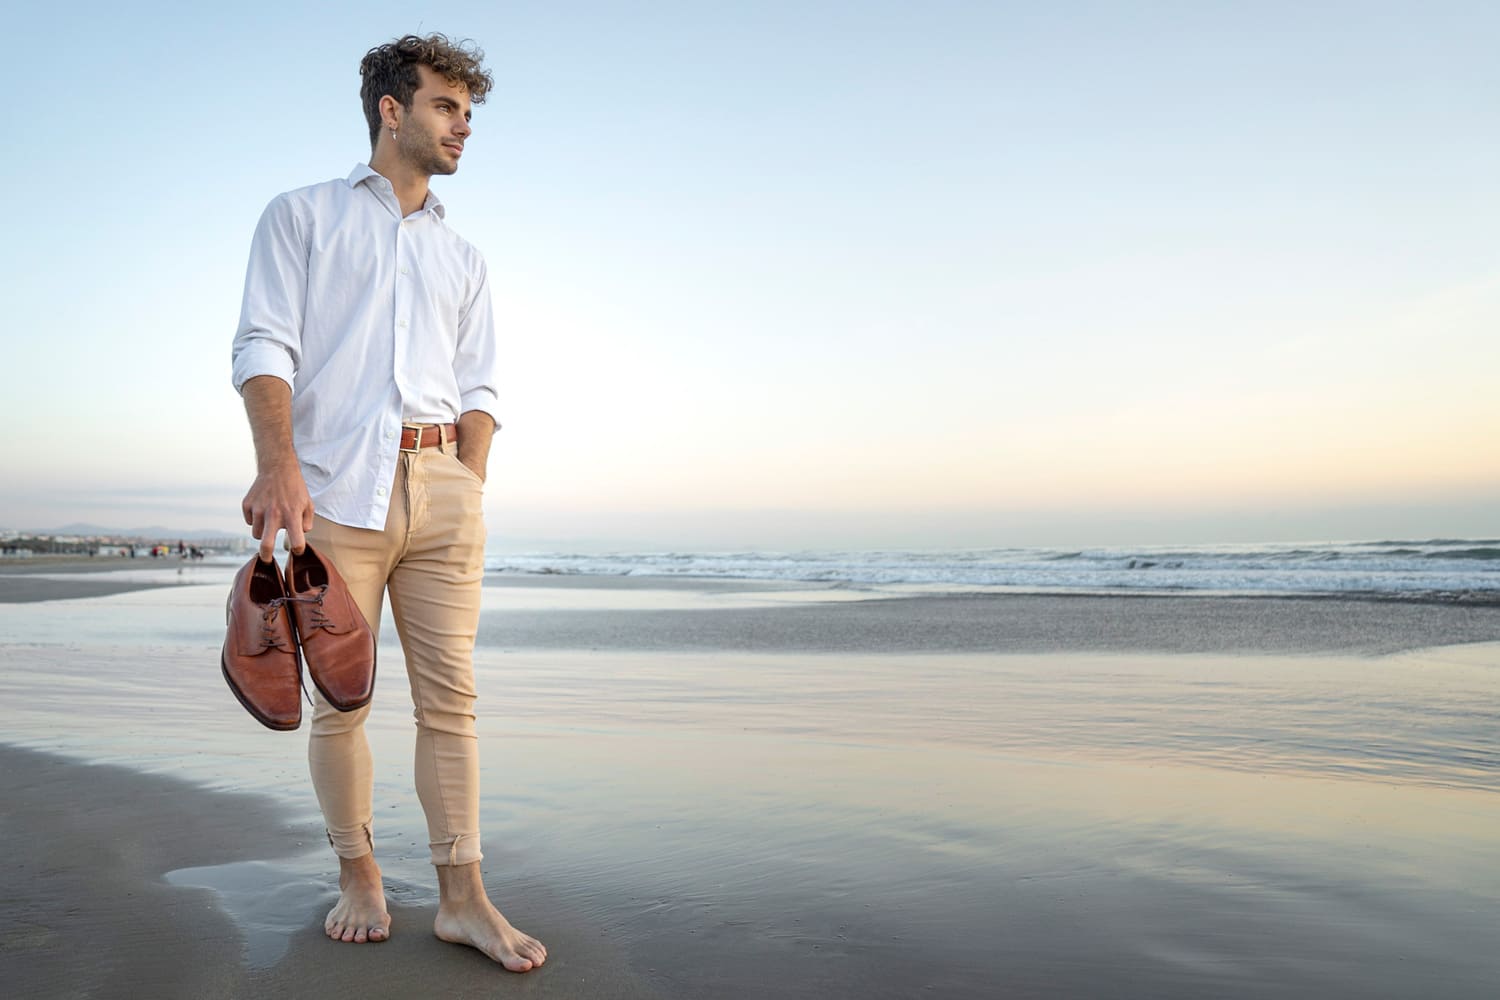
column 416, row 437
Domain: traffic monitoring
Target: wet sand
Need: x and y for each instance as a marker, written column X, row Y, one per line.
column 746, row 791
column 56, row 578
column 85, row 910
column 999, row 623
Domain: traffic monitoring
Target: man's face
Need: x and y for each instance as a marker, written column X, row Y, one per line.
column 432, row 134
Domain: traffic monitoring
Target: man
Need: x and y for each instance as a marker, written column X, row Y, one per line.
column 366, row 358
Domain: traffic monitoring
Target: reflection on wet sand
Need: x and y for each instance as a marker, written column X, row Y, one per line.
column 824, row 824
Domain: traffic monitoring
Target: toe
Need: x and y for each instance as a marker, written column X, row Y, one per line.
column 348, row 934
column 379, row 933
column 361, row 936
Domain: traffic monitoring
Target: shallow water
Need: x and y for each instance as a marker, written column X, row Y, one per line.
column 878, row 825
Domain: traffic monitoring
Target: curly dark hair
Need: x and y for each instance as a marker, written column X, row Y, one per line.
column 392, row 69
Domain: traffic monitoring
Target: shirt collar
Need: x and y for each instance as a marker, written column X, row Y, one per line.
column 363, row 172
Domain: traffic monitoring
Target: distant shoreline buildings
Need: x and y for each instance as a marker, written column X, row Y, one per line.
column 27, row 545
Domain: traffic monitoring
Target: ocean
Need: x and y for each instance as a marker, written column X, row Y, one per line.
column 1439, row 569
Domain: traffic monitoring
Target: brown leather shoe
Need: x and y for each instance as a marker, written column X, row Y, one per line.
column 336, row 640
column 260, row 659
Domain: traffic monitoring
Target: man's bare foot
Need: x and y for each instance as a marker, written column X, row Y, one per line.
column 466, row 916
column 360, row 914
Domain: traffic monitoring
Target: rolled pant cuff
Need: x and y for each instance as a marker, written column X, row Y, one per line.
column 461, row 850
column 352, row 843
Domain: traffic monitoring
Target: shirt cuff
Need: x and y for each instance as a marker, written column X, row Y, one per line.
column 261, row 358
column 481, row 399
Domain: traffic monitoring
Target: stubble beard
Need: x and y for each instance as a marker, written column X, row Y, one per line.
column 421, row 149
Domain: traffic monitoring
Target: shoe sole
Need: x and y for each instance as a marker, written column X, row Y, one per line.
column 280, row 727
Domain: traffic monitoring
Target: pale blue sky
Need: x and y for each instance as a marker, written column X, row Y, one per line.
column 790, row 274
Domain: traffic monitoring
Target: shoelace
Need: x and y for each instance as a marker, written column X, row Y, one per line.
column 270, row 638
column 318, row 618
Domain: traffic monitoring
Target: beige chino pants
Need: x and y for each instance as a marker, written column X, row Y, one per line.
column 430, row 557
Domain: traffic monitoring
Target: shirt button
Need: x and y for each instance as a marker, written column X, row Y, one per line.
column 390, row 435
column 401, row 323
column 380, row 491
column 406, row 270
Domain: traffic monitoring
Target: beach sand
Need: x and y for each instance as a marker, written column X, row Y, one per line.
column 738, row 790
column 85, row 910
column 54, row 578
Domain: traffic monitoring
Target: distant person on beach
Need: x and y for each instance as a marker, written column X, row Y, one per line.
column 366, row 356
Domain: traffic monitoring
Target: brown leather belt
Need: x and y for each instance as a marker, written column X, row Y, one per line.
column 415, row 437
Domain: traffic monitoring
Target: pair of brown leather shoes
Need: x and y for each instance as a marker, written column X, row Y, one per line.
column 271, row 616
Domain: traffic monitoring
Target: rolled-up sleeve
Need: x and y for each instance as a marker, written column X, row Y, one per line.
column 269, row 338
column 476, row 359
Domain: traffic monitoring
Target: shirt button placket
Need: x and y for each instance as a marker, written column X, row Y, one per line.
column 402, row 296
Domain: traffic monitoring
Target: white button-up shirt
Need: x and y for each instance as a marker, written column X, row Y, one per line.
column 373, row 320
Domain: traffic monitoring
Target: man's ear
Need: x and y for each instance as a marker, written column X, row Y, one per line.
column 390, row 111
